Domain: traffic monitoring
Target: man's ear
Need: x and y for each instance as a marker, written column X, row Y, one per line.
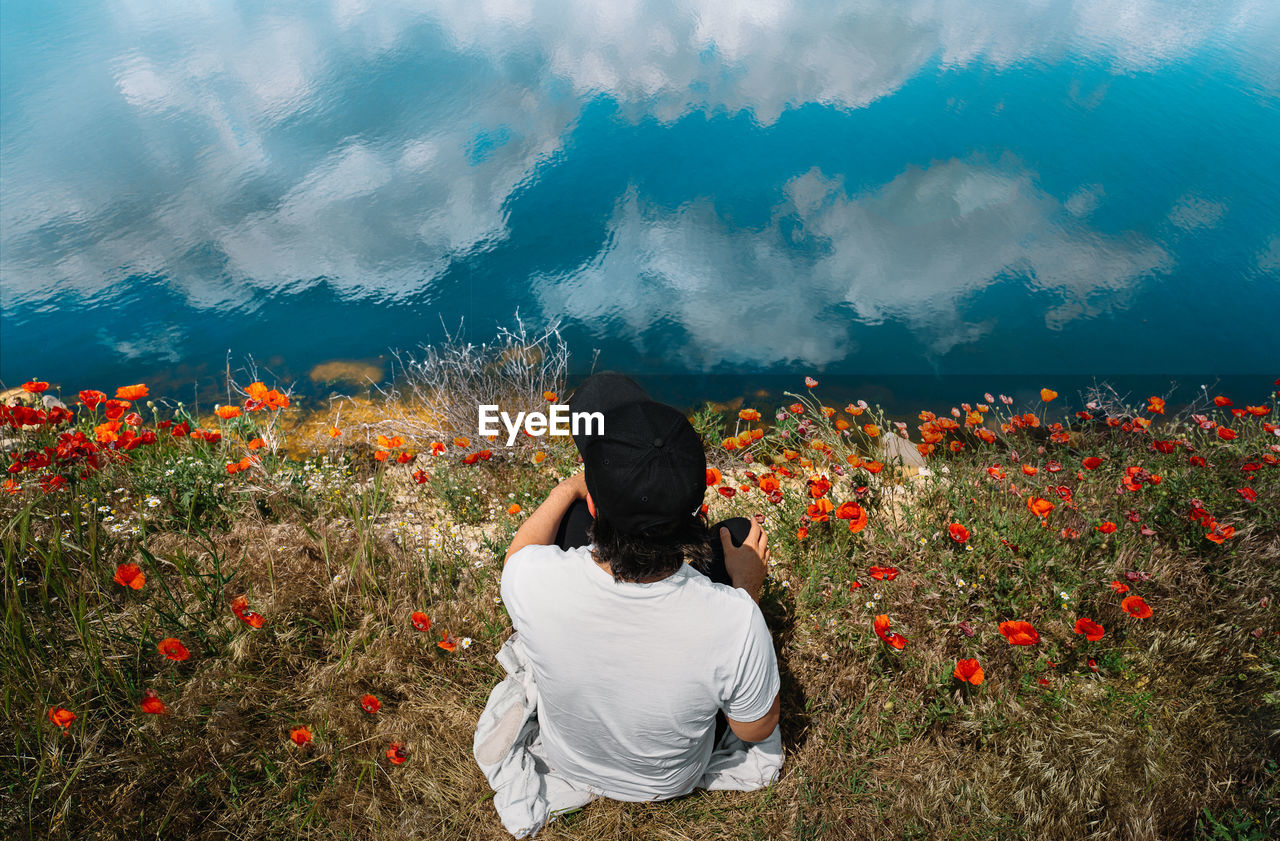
column 591, row 506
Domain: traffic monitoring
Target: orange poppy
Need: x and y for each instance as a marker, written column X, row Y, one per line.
column 240, row 607
column 334, row 432
column 549, row 396
column 871, row 429
column 152, row 704
column 956, row 446
column 1221, row 401
column 969, row 670
column 35, row 386
column 854, row 410
column 818, row 486
column 381, row 455
column 300, row 736
column 1155, row 405
column 1039, row 507
column 1092, row 630
column 883, row 573
column 131, row 392
column 730, row 443
column 539, row 457
column 397, row 754
column 1119, row 586
column 448, row 643
column 819, row 510
column 802, row 533
column 470, row 458
column 873, row 466
column 769, row 483
column 514, row 508
column 173, row 649
column 420, row 620
column 390, row 443
column 842, row 424
column 1136, row 607
column 1047, row 394
column 129, row 575
column 462, row 442
column 1257, row 411
column 1226, row 434
column 227, row 412
column 1019, row 632
column 1220, row 533
column 1107, row 528
column 257, row 444
column 958, row 533
column 61, row 716
column 421, row 476
column 370, row 704
column 749, row 415
column 881, row 626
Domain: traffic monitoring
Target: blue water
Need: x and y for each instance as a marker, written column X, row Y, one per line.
column 878, row 188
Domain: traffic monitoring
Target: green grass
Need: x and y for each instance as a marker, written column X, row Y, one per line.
column 1169, row 734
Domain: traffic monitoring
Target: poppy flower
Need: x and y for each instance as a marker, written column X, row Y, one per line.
column 549, row 396
column 420, row 620
column 129, row 575
column 35, row 386
column 749, row 415
column 1119, row 586
column 131, row 392
column 871, row 429
column 713, row 476
column 883, row 573
column 470, row 458
column 1092, row 630
column 1249, row 494
column 370, row 704
column 857, row 519
column 726, row 491
column 334, row 432
column 810, row 382
column 173, row 649
column 1155, row 405
column 1257, row 411
column 91, row 398
column 514, row 508
column 1030, row 470
column 881, row 626
column 1039, row 507
column 448, row 642
column 1221, row 401
column 1219, row 533
column 115, row 409
column 300, row 736
column 1107, row 527
column 873, row 466
column 421, row 476
column 227, row 412
column 1047, row 394
column 257, row 444
column 152, row 704
column 958, row 533
column 1226, row 434
column 462, row 442
column 818, row 486
column 969, row 671
column 240, row 607
column 397, row 754
column 819, row 510
column 1136, row 607
column 1019, row 632
column 61, row 716
column 390, row 443
column 1091, row 462
column 802, row 533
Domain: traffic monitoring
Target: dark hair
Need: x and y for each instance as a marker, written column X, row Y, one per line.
column 655, row 551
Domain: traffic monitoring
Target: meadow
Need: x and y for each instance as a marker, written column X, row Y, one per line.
column 263, row 621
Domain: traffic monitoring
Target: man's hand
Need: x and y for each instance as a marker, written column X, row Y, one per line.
column 540, row 528
column 748, row 563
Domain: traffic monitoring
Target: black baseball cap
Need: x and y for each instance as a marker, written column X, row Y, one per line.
column 601, row 392
column 647, row 469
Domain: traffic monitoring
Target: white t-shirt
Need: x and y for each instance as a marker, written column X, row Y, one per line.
column 630, row 676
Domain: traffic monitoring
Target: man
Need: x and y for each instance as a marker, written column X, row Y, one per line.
column 634, row 651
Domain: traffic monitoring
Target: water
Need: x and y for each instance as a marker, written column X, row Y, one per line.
column 859, row 190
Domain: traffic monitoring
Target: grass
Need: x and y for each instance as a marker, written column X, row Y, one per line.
column 1165, row 728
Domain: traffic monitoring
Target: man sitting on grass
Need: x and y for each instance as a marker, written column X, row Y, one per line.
column 633, row 651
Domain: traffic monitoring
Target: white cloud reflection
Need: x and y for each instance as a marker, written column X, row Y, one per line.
column 917, row 250
column 217, row 152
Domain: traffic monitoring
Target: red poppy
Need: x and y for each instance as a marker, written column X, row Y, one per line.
column 173, row 649
column 1107, row 527
column 1136, row 607
column 1226, row 434
column 131, row 392
column 448, row 643
column 1039, row 507
column 129, row 575
column 514, row 508
column 802, row 533
column 152, row 704
column 370, row 704
column 61, row 716
column 438, row 447
column 300, row 736
column 1219, row 532
column 471, row 458
column 91, row 398
column 714, row 476
column 818, row 486
column 1119, row 586
column 796, row 408
column 958, row 533
column 883, row 573
column 873, row 466
column 115, row 409
column 1018, row 632
column 810, row 382
column 881, row 627
column 819, row 510
column 240, row 607
column 1155, row 405
column 1092, row 630
column 421, row 476
column 421, row 621
column 485, row 455
column 35, row 386
column 397, row 754
column 1221, row 401
column 726, row 492
column 969, row 670
column 1249, row 494
column 1091, row 462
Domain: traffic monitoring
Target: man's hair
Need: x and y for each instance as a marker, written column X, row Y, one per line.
column 651, row 552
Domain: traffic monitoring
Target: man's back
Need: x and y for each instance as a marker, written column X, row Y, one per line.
column 630, row 676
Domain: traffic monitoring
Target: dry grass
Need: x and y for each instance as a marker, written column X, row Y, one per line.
column 1182, row 716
